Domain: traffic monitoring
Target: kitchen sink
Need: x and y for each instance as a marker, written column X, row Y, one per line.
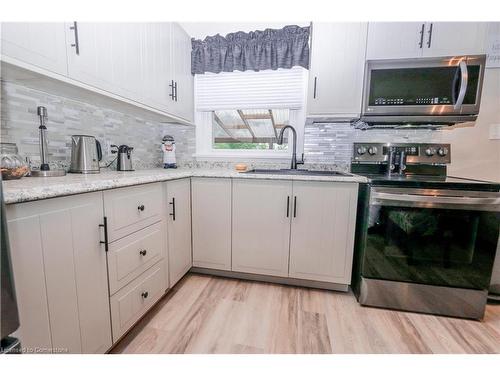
column 299, row 172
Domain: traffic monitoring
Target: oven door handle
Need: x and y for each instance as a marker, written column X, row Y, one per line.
column 431, row 201
column 464, row 78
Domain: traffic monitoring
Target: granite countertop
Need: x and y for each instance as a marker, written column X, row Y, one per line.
column 36, row 188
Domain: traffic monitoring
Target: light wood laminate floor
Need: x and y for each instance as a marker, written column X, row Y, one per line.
column 205, row 314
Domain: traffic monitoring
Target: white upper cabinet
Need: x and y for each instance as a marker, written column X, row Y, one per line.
column 106, row 56
column 391, row 40
column 336, row 69
column 90, row 53
column 146, row 64
column 41, row 44
column 157, row 79
column 183, row 79
column 455, row 38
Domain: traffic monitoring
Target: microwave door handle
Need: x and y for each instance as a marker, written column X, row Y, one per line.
column 464, row 78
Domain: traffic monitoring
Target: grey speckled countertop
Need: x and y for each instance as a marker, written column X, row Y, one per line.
column 35, row 188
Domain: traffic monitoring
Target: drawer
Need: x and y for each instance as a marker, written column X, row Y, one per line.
column 130, row 303
column 130, row 256
column 133, row 208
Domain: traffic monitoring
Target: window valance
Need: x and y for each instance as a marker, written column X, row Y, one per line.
column 256, row 50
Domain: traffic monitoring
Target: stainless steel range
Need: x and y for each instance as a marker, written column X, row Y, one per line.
column 425, row 241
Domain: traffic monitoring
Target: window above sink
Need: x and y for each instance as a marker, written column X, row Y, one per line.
column 240, row 114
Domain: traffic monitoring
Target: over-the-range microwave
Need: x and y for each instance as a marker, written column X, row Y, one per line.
column 423, row 91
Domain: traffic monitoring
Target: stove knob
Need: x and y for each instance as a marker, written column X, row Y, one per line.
column 443, row 151
column 372, row 150
column 361, row 150
column 430, row 151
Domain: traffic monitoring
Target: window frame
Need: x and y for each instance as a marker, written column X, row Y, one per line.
column 204, row 140
column 204, row 134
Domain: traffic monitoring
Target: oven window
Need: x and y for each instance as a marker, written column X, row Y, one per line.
column 431, row 246
column 421, row 86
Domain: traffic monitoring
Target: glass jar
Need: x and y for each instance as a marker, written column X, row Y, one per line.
column 12, row 165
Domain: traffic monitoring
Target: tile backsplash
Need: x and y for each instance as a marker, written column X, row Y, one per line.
column 326, row 145
column 333, row 142
column 19, row 124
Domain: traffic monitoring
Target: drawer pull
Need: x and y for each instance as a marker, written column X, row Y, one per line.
column 145, row 295
column 143, row 252
column 141, row 207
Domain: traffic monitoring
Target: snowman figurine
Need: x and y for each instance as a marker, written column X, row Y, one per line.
column 168, row 149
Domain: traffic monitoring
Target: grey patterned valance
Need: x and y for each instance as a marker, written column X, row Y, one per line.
column 256, row 50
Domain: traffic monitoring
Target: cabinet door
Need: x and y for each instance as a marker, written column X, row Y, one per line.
column 261, row 226
column 181, row 65
column 92, row 62
column 126, row 58
column 337, row 66
column 65, row 233
column 322, row 234
column 392, row 40
column 455, row 38
column 108, row 56
column 179, row 228
column 211, row 210
column 42, row 44
column 157, row 69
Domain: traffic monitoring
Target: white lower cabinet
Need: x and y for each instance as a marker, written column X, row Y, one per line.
column 132, row 208
column 60, row 274
column 211, row 219
column 261, row 226
column 178, row 208
column 132, row 255
column 302, row 230
column 130, row 303
column 322, row 231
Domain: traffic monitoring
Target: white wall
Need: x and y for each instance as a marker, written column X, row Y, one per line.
column 474, row 155
column 200, row 30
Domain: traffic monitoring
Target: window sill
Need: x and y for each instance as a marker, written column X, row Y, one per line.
column 228, row 156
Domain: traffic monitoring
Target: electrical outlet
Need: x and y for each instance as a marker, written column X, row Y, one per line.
column 108, row 147
column 494, row 131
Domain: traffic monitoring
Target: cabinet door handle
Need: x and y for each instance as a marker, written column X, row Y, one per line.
column 429, row 41
column 140, row 207
column 420, row 45
column 172, row 90
column 75, row 31
column 173, row 209
column 105, row 227
column 145, row 295
column 175, row 91
column 314, row 88
column 295, row 206
column 288, row 206
column 143, row 252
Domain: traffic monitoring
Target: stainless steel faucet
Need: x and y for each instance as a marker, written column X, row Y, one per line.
column 294, row 150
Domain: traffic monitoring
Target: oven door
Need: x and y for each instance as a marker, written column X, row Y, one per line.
column 446, row 86
column 433, row 237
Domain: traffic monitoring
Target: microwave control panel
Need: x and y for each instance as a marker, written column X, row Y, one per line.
column 412, row 101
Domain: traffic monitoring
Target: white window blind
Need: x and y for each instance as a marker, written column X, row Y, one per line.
column 282, row 88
